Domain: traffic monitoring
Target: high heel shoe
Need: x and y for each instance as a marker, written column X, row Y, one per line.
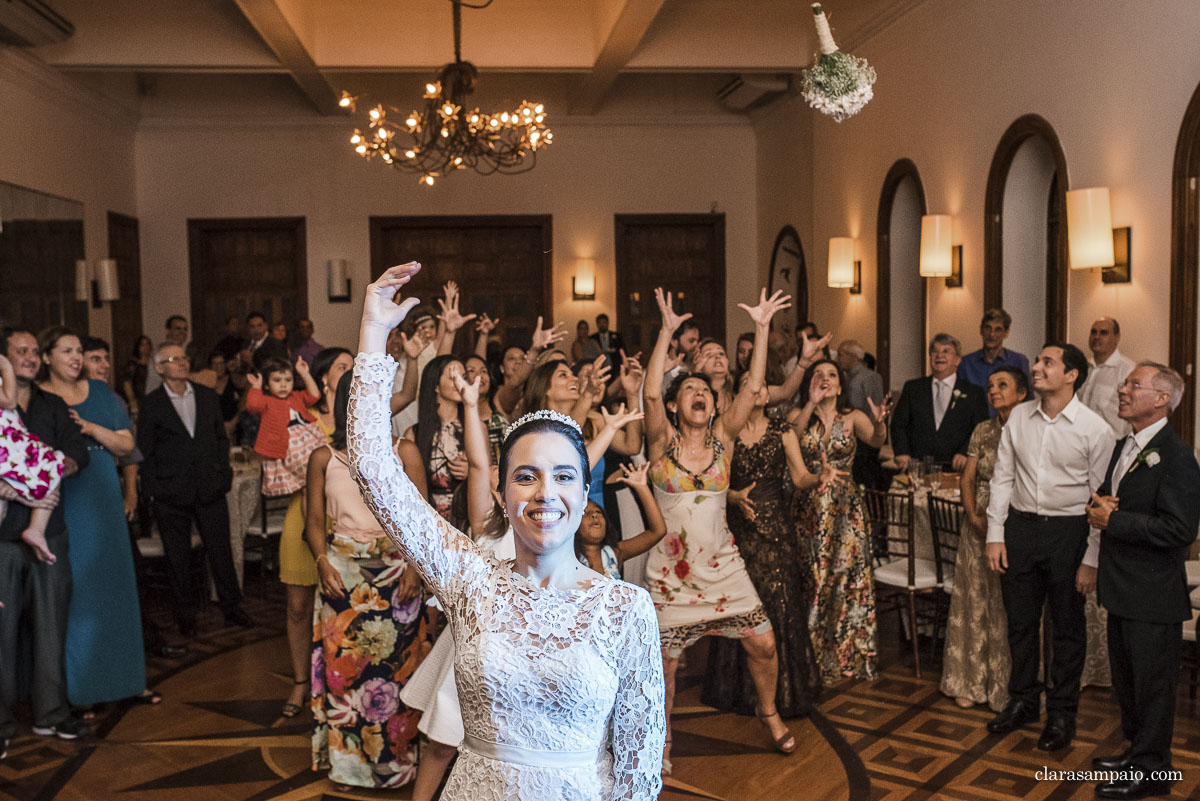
column 291, row 710
column 781, row 740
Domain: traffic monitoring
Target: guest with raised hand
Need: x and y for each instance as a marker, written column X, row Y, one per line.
column 765, row 454
column 484, row 326
column 518, row 365
column 475, row 368
column 105, row 660
column 696, row 576
column 450, row 320
column 439, row 432
column 592, row 541
column 832, row 524
column 543, row 617
column 976, row 666
column 369, row 628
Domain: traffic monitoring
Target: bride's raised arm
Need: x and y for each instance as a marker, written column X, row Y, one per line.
column 444, row 556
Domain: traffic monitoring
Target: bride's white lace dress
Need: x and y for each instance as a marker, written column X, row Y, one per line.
column 561, row 690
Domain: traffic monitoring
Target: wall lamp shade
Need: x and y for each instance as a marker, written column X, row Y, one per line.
column 936, row 236
column 1089, row 228
column 841, row 262
column 98, row 286
column 83, row 281
column 338, row 290
column 107, row 284
column 583, row 283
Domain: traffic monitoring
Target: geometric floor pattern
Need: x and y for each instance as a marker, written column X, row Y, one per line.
column 218, row 735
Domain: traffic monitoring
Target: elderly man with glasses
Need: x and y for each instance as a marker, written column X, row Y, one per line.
column 186, row 474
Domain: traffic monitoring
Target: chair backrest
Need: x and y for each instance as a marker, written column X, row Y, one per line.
column 892, row 529
column 945, row 523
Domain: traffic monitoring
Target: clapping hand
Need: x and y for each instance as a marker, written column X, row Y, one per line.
column 545, row 337
column 469, row 392
column 383, row 307
column 741, row 499
column 671, row 320
column 620, row 418
column 767, row 307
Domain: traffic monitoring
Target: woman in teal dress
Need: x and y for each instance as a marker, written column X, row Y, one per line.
column 104, row 657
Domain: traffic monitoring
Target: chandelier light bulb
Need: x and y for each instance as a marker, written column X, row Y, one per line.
column 354, row 140
column 361, row 150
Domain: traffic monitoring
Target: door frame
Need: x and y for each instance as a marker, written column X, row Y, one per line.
column 903, row 168
column 1185, row 264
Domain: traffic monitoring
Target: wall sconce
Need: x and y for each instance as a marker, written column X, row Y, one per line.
column 1091, row 239
column 844, row 271
column 936, row 235
column 583, row 283
column 100, row 286
column 954, row 279
column 338, row 289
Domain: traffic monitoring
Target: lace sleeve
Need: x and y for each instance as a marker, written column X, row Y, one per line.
column 446, row 558
column 639, row 716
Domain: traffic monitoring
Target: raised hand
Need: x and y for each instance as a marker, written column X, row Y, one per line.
column 670, row 319
column 812, row 347
column 450, row 314
column 301, row 367
column 620, row 418
column 631, row 374
column 673, row 361
column 634, row 476
column 412, row 345
column 879, row 414
column 486, row 325
column 598, row 379
column 545, row 337
column 767, row 307
column 254, row 380
column 450, row 291
column 469, row 392
column 383, row 307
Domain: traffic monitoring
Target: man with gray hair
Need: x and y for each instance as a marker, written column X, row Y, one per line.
column 1144, row 541
column 1109, row 368
column 936, row 414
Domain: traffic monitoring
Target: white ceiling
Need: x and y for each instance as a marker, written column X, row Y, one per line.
column 319, row 45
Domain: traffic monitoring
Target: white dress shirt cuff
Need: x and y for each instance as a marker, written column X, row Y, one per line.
column 1091, row 557
column 995, row 532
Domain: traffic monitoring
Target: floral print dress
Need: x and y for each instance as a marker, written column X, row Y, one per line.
column 833, row 530
column 28, row 465
column 695, row 575
column 365, row 647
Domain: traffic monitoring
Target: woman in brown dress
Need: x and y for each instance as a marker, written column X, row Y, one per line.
column 977, row 662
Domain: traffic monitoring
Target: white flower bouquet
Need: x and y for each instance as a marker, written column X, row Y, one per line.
column 839, row 84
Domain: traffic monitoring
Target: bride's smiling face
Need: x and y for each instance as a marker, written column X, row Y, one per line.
column 544, row 491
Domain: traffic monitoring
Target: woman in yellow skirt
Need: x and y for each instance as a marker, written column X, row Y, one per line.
column 297, row 570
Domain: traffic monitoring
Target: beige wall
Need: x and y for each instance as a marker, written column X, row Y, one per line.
column 63, row 140
column 1113, row 80
column 593, row 171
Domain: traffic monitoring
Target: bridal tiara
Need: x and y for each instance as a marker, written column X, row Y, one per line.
column 544, row 414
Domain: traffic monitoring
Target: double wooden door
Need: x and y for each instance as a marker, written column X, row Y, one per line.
column 682, row 253
column 123, row 245
column 37, row 274
column 501, row 264
column 242, row 265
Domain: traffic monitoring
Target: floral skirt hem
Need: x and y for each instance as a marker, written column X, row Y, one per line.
column 677, row 638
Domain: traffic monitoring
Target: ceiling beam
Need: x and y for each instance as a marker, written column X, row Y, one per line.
column 623, row 40
column 279, row 35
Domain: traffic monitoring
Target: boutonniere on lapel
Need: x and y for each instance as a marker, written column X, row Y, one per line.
column 1148, row 457
column 958, row 393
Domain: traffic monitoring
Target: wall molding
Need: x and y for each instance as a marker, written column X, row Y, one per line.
column 29, row 72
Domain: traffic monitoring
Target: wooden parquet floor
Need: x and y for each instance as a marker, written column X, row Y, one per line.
column 218, row 736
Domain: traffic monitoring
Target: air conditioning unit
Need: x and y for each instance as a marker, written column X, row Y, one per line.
column 28, row 23
column 746, row 92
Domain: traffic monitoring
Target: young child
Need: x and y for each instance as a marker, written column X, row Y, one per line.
column 287, row 432
column 27, row 464
column 590, row 544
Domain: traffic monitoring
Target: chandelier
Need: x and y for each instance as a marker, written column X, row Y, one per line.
column 445, row 136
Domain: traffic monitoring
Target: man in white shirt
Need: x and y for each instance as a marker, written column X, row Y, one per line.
column 1053, row 455
column 1109, row 367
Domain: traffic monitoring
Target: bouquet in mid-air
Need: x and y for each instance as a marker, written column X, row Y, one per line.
column 838, row 84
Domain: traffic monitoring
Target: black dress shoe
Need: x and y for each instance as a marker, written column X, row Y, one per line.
column 1058, row 733
column 1013, row 717
column 172, row 651
column 1133, row 788
column 238, row 617
column 1118, row 762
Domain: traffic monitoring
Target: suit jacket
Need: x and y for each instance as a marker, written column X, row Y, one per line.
column 913, row 430
column 616, row 342
column 1143, row 549
column 180, row 469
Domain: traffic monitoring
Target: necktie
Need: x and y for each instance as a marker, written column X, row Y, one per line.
column 939, row 403
column 1128, row 454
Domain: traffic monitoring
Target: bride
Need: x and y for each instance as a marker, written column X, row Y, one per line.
column 558, row 667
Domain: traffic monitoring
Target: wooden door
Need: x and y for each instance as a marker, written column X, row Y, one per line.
column 37, row 274
column 682, row 253
column 502, row 266
column 123, row 246
column 242, row 265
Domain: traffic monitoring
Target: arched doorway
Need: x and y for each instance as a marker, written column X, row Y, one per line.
column 789, row 272
column 900, row 306
column 1185, row 258
column 1025, row 214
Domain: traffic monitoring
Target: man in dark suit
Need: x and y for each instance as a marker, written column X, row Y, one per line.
column 611, row 342
column 1147, row 511
column 186, row 474
column 936, row 414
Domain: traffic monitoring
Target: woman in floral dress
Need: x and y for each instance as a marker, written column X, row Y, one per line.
column 695, row 575
column 368, row 625
column 832, row 525
column 439, row 433
column 977, row 662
